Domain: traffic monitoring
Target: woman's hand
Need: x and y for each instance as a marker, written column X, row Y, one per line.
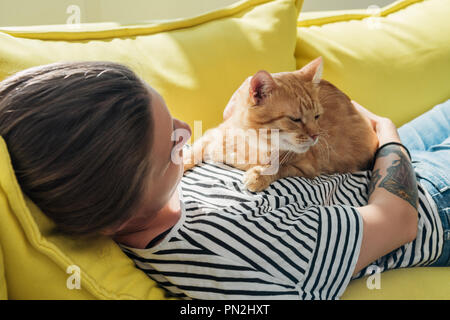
column 384, row 127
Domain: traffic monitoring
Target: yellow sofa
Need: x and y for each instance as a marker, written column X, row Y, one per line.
column 397, row 64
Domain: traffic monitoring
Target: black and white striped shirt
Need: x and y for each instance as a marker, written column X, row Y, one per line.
column 299, row 239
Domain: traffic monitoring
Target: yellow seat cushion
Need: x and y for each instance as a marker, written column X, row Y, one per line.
column 3, row 289
column 36, row 259
column 423, row 283
column 396, row 63
column 196, row 64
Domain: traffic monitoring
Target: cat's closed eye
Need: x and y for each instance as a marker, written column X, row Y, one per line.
column 301, row 120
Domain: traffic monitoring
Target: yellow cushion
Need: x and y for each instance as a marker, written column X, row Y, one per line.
column 424, row 283
column 37, row 260
column 397, row 64
column 3, row 289
column 196, row 64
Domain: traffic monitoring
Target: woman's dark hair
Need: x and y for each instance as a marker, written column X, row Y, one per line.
column 79, row 136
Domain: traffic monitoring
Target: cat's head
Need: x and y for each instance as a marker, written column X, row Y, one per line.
column 287, row 101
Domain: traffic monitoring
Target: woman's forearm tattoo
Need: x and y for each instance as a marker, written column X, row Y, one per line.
column 399, row 178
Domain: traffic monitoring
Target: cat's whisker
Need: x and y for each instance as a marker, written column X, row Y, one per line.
column 283, row 160
column 329, row 149
column 324, row 147
column 286, row 157
column 323, row 133
column 283, row 157
column 321, row 149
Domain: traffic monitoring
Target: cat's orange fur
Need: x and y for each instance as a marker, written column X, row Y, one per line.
column 320, row 131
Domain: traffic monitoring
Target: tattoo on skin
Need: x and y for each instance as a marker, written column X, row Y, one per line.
column 400, row 179
column 376, row 176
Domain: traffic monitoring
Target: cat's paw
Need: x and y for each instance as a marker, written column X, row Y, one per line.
column 255, row 181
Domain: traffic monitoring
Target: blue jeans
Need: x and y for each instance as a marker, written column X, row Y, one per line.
column 428, row 140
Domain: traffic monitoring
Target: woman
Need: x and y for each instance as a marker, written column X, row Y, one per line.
column 92, row 146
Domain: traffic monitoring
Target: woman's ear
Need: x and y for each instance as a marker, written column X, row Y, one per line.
column 261, row 84
column 312, row 71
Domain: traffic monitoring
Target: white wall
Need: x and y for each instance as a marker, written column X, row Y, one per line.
column 38, row 12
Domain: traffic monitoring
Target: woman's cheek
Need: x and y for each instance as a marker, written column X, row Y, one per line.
column 177, row 169
column 180, row 166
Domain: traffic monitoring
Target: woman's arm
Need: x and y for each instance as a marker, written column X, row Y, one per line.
column 390, row 218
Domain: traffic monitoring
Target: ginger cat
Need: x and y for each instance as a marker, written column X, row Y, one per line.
column 319, row 130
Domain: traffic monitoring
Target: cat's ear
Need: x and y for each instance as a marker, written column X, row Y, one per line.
column 312, row 71
column 261, row 84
